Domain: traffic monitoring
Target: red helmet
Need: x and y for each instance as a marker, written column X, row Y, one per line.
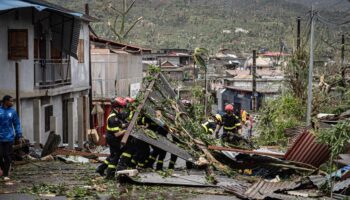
column 118, row 102
column 129, row 99
column 229, row 107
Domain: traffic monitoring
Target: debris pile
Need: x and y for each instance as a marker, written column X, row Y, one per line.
column 239, row 170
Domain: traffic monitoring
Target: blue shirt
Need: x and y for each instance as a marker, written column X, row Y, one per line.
column 9, row 122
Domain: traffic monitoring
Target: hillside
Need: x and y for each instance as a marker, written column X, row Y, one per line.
column 206, row 23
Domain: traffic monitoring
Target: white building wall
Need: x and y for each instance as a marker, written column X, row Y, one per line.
column 79, row 74
column 8, row 75
column 27, row 116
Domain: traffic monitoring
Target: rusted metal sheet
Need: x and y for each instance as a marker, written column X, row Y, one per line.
column 276, row 155
column 306, row 150
column 262, row 189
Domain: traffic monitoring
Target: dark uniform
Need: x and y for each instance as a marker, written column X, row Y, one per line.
column 135, row 154
column 209, row 126
column 231, row 125
column 157, row 152
column 115, row 123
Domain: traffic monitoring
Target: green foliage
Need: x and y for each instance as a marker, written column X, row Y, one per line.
column 296, row 73
column 275, row 116
column 336, row 137
column 46, row 189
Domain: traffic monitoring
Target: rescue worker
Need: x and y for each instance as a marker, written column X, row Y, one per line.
column 157, row 153
column 130, row 107
column 115, row 130
column 210, row 125
column 136, row 151
column 231, row 124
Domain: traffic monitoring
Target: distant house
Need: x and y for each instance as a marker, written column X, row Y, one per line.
column 238, row 87
column 50, row 46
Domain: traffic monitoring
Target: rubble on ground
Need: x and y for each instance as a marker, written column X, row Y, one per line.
column 239, row 170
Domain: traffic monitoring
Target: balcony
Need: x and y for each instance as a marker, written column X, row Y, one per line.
column 52, row 73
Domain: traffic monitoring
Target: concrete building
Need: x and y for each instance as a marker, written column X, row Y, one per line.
column 237, row 88
column 44, row 56
column 116, row 68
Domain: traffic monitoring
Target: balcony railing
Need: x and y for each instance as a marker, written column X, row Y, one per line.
column 52, row 73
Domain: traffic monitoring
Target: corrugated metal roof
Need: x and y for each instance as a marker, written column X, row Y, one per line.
column 262, row 189
column 341, row 185
column 318, row 180
column 41, row 5
column 307, row 150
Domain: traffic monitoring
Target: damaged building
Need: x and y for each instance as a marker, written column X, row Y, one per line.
column 45, row 67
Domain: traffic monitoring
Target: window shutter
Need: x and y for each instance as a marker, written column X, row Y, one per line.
column 17, row 44
column 81, row 51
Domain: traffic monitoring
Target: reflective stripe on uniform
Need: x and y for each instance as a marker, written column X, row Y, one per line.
column 238, row 124
column 151, row 157
column 141, row 164
column 160, row 161
column 106, row 162
column 211, row 130
column 172, row 162
column 126, row 155
column 205, row 127
column 133, row 161
column 229, row 128
column 112, row 128
column 131, row 115
column 112, row 166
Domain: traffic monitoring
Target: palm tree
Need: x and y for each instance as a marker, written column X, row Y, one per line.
column 200, row 56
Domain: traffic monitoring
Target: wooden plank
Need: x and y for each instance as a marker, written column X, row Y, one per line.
column 276, row 155
column 137, row 111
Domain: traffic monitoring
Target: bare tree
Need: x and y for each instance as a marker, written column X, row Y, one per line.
column 118, row 25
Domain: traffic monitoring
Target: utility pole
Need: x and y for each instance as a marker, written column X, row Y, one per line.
column 311, row 66
column 206, row 90
column 298, row 33
column 254, row 101
column 91, row 121
column 343, row 68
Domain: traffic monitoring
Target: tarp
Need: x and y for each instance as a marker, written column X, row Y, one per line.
column 40, row 6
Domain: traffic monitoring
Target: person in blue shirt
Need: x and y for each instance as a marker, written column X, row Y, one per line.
column 9, row 125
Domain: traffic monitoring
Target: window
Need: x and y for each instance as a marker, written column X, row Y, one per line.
column 48, row 114
column 17, row 44
column 81, row 51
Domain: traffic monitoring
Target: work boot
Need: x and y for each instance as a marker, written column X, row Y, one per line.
column 110, row 174
column 101, row 169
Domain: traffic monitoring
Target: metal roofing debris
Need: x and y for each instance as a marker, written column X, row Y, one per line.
column 189, row 178
column 307, row 150
column 341, row 185
column 344, row 159
column 262, row 189
column 163, row 143
column 40, row 6
column 318, row 180
column 287, row 197
column 276, row 155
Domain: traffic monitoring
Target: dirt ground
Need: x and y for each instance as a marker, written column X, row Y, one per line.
column 59, row 180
